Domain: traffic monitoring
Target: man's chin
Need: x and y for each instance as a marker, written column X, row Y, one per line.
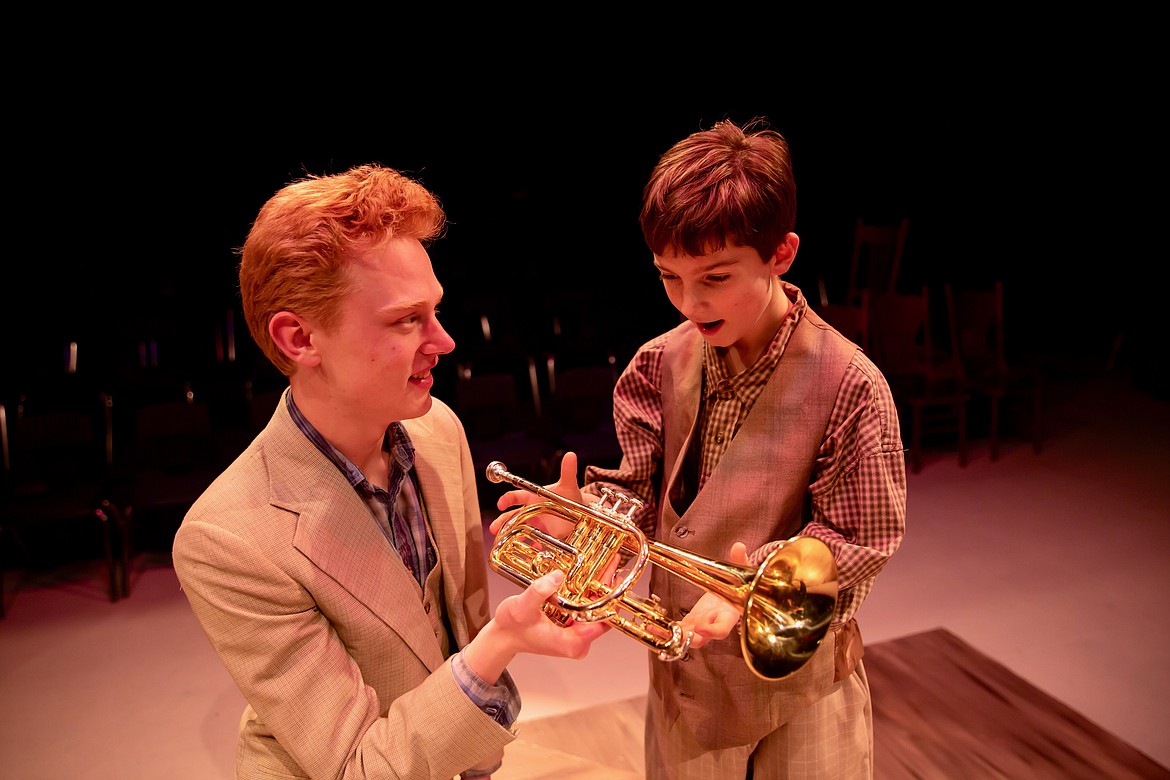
column 421, row 406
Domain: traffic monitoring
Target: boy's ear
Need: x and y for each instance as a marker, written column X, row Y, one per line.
column 786, row 253
column 294, row 337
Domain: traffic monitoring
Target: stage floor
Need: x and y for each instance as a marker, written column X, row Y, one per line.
column 941, row 709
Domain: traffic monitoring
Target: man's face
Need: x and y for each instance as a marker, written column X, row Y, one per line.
column 377, row 359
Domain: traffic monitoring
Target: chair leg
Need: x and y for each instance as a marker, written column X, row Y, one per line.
column 994, row 427
column 3, row 599
column 961, row 413
column 123, row 521
column 111, row 568
column 1037, row 419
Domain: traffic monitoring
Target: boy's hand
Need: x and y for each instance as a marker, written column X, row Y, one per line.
column 554, row 525
column 712, row 617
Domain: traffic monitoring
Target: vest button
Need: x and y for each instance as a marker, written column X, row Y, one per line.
column 427, row 607
column 680, row 531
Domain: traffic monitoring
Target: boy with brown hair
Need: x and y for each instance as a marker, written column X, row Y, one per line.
column 748, row 424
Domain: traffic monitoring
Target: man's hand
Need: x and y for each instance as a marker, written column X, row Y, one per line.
column 712, row 617
column 520, row 626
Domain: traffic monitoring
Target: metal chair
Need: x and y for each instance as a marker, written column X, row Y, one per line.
column 502, row 415
column 56, row 503
column 924, row 374
column 976, row 321
column 876, row 261
column 851, row 319
column 581, row 413
column 172, row 454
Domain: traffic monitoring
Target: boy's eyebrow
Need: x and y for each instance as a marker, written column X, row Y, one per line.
column 710, row 266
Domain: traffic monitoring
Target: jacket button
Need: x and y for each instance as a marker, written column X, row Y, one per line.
column 681, row 531
column 427, row 607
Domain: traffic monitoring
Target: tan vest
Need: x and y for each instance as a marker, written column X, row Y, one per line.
column 436, row 607
column 758, row 492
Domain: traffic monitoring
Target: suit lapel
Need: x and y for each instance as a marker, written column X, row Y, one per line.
column 337, row 532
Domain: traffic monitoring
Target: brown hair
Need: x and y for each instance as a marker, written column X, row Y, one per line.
column 729, row 185
column 296, row 253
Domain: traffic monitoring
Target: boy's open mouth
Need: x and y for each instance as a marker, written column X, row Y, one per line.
column 707, row 328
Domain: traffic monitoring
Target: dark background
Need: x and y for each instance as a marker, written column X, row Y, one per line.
column 127, row 202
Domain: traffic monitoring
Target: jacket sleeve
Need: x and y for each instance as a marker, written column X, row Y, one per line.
column 308, row 694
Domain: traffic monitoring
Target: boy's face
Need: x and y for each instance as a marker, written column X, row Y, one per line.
column 732, row 295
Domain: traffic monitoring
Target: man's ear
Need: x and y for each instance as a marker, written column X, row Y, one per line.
column 294, row 337
column 786, row 253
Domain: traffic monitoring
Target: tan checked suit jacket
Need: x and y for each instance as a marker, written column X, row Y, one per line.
column 329, row 638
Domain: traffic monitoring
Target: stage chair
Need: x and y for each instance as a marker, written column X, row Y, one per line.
column 581, row 412
column 977, row 327
column 850, row 319
column 56, row 502
column 923, row 374
column 173, row 454
column 502, row 415
column 876, row 261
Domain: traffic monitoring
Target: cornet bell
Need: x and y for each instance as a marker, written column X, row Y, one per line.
column 789, row 607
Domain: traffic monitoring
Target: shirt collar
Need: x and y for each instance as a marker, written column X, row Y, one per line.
column 396, row 441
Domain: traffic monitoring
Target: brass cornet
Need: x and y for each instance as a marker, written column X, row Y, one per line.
column 787, row 602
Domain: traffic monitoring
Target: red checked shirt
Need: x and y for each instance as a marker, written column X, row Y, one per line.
column 858, row 483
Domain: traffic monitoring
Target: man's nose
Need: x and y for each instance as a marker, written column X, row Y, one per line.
column 440, row 340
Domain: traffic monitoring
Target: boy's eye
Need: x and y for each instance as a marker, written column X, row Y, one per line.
column 718, row 278
column 665, row 277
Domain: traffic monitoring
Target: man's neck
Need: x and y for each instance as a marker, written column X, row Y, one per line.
column 358, row 440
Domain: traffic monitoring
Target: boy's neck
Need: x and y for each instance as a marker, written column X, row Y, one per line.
column 744, row 353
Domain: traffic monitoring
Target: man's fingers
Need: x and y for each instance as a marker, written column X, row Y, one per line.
column 543, row 587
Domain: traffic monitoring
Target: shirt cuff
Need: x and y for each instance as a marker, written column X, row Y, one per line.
column 500, row 702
